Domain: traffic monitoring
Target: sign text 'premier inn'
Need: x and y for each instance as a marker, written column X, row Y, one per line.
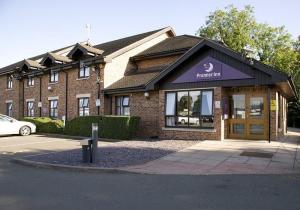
column 210, row 69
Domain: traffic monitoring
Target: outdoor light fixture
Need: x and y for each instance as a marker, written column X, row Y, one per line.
column 146, row 94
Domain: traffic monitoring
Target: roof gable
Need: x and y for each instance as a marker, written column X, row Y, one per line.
column 209, row 69
column 275, row 75
column 55, row 58
column 85, row 49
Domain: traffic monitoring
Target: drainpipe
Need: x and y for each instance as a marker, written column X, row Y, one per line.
column 269, row 107
column 40, row 99
column 98, row 87
column 66, row 91
column 23, row 94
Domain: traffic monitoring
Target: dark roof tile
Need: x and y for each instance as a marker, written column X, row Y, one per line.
column 132, row 81
column 113, row 46
column 183, row 42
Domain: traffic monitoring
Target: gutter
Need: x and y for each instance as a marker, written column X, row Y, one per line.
column 124, row 90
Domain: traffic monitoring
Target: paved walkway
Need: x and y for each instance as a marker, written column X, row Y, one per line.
column 225, row 157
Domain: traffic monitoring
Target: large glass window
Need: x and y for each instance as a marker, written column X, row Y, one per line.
column 9, row 109
column 189, row 109
column 53, row 110
column 84, row 107
column 30, row 109
column 53, row 77
column 122, row 105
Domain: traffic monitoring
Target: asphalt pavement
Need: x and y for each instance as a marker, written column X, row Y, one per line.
column 23, row 187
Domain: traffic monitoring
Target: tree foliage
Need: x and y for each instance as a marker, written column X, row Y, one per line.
column 272, row 45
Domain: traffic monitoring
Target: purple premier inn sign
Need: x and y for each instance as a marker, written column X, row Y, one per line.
column 210, row 69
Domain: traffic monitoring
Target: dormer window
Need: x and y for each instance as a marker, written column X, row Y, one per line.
column 30, row 82
column 53, row 77
column 9, row 82
column 84, row 71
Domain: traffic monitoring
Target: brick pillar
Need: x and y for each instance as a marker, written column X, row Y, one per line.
column 21, row 100
column 219, row 122
column 103, row 107
column 274, row 116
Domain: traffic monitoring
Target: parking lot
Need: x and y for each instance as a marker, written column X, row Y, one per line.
column 18, row 146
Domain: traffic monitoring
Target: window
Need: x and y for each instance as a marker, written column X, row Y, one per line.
column 53, row 112
column 193, row 109
column 9, row 82
column 122, row 105
column 53, row 77
column 84, row 71
column 30, row 81
column 238, row 110
column 83, row 107
column 9, row 109
column 30, row 109
column 256, row 107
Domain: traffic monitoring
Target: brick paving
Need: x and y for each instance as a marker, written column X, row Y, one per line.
column 223, row 157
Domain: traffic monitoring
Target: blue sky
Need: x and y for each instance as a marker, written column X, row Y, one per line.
column 29, row 27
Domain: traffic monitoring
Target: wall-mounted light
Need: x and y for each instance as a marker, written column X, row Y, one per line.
column 146, row 94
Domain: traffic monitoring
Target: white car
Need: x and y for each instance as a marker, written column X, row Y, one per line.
column 9, row 125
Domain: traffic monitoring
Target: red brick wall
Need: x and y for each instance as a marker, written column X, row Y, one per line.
column 75, row 86
column 146, row 108
column 14, row 94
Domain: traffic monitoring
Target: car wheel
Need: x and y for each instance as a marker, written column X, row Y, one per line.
column 25, row 131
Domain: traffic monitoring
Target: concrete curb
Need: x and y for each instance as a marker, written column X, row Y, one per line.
column 63, row 167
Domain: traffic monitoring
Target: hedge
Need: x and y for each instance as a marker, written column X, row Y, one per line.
column 113, row 127
column 46, row 125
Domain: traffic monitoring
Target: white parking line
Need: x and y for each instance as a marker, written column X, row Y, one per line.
column 39, row 142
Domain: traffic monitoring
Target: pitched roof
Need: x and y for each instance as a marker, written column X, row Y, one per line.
column 172, row 44
column 86, row 48
column 32, row 63
column 54, row 56
column 276, row 76
column 104, row 49
column 113, row 46
column 11, row 67
column 131, row 81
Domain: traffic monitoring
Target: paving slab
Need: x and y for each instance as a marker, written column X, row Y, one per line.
column 223, row 157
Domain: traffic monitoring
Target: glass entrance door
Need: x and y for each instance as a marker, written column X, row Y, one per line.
column 248, row 117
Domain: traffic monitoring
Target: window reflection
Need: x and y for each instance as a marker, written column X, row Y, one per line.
column 189, row 109
column 194, row 108
column 238, row 107
column 182, row 108
column 256, row 106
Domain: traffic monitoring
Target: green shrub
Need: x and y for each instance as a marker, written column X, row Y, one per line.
column 113, row 127
column 46, row 125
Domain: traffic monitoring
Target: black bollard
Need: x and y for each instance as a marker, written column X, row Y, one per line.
column 94, row 142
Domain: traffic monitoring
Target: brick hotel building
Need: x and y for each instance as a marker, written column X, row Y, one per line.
column 183, row 87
